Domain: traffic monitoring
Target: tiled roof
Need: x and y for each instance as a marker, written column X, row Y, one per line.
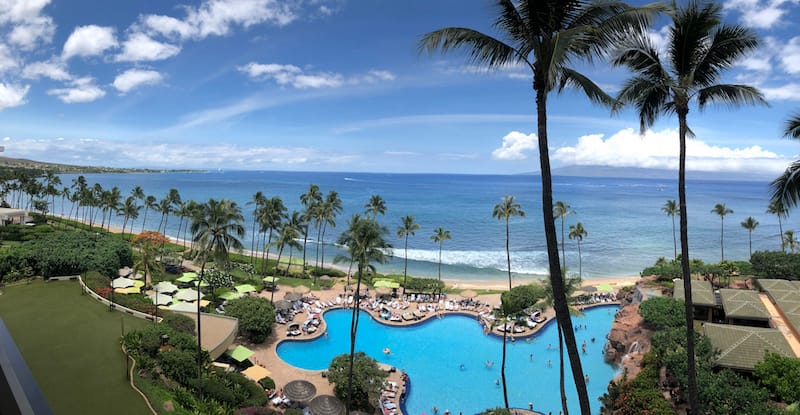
column 742, row 347
column 702, row 293
column 743, row 304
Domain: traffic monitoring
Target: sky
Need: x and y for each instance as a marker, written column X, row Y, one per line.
column 340, row 85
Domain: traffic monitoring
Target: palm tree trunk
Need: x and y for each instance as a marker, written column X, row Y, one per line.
column 405, row 267
column 440, row 261
column 253, row 246
column 580, row 261
column 505, row 328
column 322, row 242
column 144, row 220
column 291, row 252
column 674, row 240
column 687, row 286
column 750, row 238
column 280, row 252
column 353, row 332
column 563, row 251
column 556, row 281
column 780, row 228
column 722, row 238
column 305, row 240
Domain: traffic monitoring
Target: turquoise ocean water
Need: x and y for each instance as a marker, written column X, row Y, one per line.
column 626, row 228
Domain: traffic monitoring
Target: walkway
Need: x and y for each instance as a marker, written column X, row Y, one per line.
column 780, row 324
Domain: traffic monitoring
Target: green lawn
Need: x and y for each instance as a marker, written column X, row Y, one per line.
column 71, row 345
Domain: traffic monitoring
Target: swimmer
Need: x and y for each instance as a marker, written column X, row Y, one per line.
column 461, row 367
column 497, row 382
column 530, row 357
column 549, row 363
column 435, row 409
column 586, row 378
column 592, row 339
column 549, row 346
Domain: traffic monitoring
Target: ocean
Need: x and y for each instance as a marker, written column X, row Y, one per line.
column 627, row 231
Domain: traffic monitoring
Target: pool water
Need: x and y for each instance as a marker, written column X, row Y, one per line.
column 432, row 354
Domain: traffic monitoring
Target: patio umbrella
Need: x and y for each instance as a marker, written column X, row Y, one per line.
column 300, row 390
column 165, row 287
column 245, row 288
column 240, row 353
column 160, row 299
column 183, row 306
column 122, row 283
column 124, row 272
column 326, row 405
column 229, row 295
column 282, row 305
column 383, row 290
column 138, row 284
column 301, row 289
column 589, row 288
column 129, row 290
column 605, row 287
column 292, row 296
column 202, row 283
column 468, row 294
column 256, row 373
column 270, row 279
column 187, row 277
column 385, row 283
column 187, row 294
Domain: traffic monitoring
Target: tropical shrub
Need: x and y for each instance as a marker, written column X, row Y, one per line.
column 776, row 264
column 367, row 379
column 256, row 316
column 179, row 365
column 727, row 393
column 267, row 383
column 640, row 395
column 663, row 312
column 180, row 323
column 781, row 375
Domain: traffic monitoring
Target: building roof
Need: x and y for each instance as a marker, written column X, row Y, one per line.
column 786, row 295
column 702, row 293
column 743, row 305
column 742, row 347
column 7, row 213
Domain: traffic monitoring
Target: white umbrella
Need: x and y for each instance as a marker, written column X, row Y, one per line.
column 122, row 282
column 160, row 299
column 187, row 294
column 124, row 272
column 165, row 287
column 183, row 306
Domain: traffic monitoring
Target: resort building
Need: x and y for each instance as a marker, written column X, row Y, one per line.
column 744, row 308
column 786, row 297
column 9, row 216
column 704, row 300
column 741, row 347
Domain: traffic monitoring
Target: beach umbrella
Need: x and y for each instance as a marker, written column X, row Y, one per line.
column 300, row 390
column 589, row 288
column 245, row 288
column 605, row 287
column 301, row 289
column 256, row 373
column 385, row 283
column 240, row 353
column 124, row 272
column 187, row 277
column 468, row 294
column 383, row 290
column 165, row 287
column 292, row 296
column 282, row 305
column 187, row 294
column 183, row 306
column 129, row 290
column 327, row 405
column 202, row 283
column 229, row 295
column 270, row 279
column 122, row 283
column 160, row 299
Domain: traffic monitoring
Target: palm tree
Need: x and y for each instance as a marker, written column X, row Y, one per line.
column 296, row 221
column 310, row 200
column 777, row 208
column 503, row 211
column 721, row 210
column 376, row 206
column 287, row 235
column 671, row 209
column 750, row 224
column 270, row 219
column 562, row 209
column 258, row 202
column 130, row 211
column 786, row 188
column 439, row 236
column 217, row 228
column 547, row 37
column 330, row 209
column 366, row 244
column 406, row 229
column 577, row 232
column 699, row 48
column 150, row 202
column 789, row 240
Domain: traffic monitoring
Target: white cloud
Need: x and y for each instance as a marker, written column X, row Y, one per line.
column 515, row 146
column 140, row 47
column 790, row 56
column 291, row 75
column 759, row 14
column 659, row 150
column 89, row 40
column 167, row 26
column 7, row 59
column 788, row 92
column 12, row 95
column 52, row 70
column 82, row 90
column 134, row 78
column 27, row 35
column 15, row 11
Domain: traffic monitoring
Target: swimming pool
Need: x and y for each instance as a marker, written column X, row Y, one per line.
column 432, row 353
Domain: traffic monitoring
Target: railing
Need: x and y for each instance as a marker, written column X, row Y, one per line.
column 19, row 393
column 105, row 301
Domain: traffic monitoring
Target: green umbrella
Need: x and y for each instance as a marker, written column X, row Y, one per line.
column 240, row 353
column 229, row 295
column 245, row 288
column 187, row 277
column 270, row 279
column 385, row 283
column 202, row 283
column 605, row 287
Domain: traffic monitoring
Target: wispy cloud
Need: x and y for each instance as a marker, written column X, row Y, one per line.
column 294, row 76
column 80, row 90
column 135, row 78
column 759, row 14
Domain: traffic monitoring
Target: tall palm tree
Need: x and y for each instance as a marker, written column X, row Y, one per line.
column 577, row 232
column 406, row 229
column 561, row 210
column 777, row 208
column 786, row 188
column 257, row 202
column 376, row 206
column 270, row 219
column 503, row 211
column 789, row 240
column 699, row 49
column 366, row 244
column 331, row 208
column 750, row 224
column 310, row 200
column 287, row 235
column 296, row 221
column 130, row 211
column 217, row 228
column 671, row 209
column 150, row 202
column 547, row 37
column 439, row 236
column 721, row 210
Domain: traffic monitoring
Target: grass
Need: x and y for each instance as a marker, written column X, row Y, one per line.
column 71, row 345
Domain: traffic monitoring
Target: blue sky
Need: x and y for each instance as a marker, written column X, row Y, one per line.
column 338, row 85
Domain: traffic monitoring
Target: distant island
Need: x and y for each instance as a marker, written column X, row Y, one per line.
column 16, row 163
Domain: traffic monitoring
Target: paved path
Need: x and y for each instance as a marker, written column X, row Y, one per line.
column 780, row 324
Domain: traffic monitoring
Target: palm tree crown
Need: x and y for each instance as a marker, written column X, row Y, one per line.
column 721, row 210
column 439, row 236
column 561, row 210
column 776, row 208
column 786, row 188
column 406, row 229
column 671, row 208
column 750, row 224
column 376, row 206
column 218, row 228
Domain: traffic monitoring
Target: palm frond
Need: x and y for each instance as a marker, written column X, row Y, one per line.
column 481, row 48
column 690, row 36
column 728, row 44
column 785, row 190
column 510, row 22
column 792, row 127
column 731, row 94
column 560, row 53
column 612, row 22
column 649, row 99
column 640, row 55
column 570, row 77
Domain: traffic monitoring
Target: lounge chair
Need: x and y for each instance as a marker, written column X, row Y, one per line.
column 408, row 316
column 418, row 314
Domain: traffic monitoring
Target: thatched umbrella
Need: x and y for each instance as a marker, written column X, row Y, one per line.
column 468, row 294
column 383, row 291
column 301, row 289
column 300, row 390
column 327, row 405
column 282, row 305
column 292, row 297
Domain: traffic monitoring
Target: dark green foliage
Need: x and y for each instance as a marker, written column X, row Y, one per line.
column 424, row 285
column 255, row 315
column 179, row 365
column 521, row 297
column 496, row 411
column 367, row 379
column 293, row 411
column 267, row 383
column 180, row 323
column 21, row 233
column 640, row 395
column 781, row 375
column 217, row 390
column 776, row 264
column 726, row 393
column 663, row 312
column 257, row 410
